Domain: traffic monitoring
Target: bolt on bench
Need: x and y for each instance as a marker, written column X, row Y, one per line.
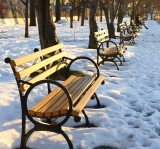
column 67, row 99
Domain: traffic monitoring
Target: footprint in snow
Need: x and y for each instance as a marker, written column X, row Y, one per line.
column 147, row 143
column 149, row 114
column 128, row 115
column 137, row 109
column 157, row 130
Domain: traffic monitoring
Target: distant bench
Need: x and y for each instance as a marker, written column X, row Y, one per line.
column 67, row 99
column 108, row 50
column 135, row 27
column 125, row 35
column 130, row 29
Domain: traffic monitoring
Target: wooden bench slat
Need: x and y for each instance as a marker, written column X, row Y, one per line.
column 80, row 84
column 75, row 96
column 58, row 98
column 24, row 87
column 49, row 96
column 101, row 35
column 64, row 109
column 99, row 38
column 39, row 65
column 110, row 51
column 30, row 57
column 128, row 35
column 103, row 31
column 81, row 104
column 41, row 108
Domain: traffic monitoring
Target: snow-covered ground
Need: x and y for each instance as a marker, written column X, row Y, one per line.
column 131, row 118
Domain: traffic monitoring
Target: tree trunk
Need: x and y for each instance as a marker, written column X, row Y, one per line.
column 93, row 24
column 26, row 20
column 113, row 9
column 101, row 13
column 46, row 26
column 12, row 8
column 79, row 11
column 111, row 30
column 58, row 10
column 120, row 18
column 151, row 15
column 71, row 17
column 133, row 10
column 83, row 14
column 32, row 13
column 106, row 13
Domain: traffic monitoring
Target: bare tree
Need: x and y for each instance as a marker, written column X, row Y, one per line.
column 151, row 7
column 32, row 13
column 58, row 10
column 121, row 12
column 133, row 15
column 110, row 8
column 83, row 11
column 12, row 9
column 46, row 26
column 73, row 4
column 79, row 10
column 101, row 11
column 138, row 7
column 93, row 24
column 26, row 17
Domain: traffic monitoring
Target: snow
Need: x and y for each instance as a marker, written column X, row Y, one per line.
column 62, row 21
column 131, row 116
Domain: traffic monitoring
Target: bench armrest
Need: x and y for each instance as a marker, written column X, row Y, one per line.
column 121, row 44
column 115, row 37
column 107, row 43
column 24, row 82
column 85, row 58
column 68, row 58
column 48, row 82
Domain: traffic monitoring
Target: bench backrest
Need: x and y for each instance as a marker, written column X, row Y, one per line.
column 133, row 22
column 127, row 25
column 122, row 29
column 37, row 66
column 101, row 36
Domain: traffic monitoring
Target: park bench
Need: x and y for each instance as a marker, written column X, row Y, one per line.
column 66, row 99
column 108, row 50
column 125, row 36
column 135, row 27
column 131, row 30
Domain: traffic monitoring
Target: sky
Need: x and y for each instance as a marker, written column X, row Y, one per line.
column 131, row 95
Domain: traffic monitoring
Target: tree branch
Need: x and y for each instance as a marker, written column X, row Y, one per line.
column 23, row 2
